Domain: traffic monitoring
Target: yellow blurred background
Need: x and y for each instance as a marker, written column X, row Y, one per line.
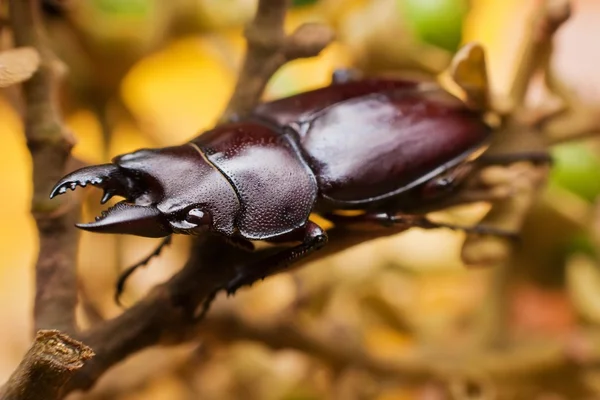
column 177, row 89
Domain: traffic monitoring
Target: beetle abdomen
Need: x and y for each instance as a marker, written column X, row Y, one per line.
column 294, row 109
column 276, row 188
column 375, row 147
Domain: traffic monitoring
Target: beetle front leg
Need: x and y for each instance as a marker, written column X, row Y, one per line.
column 385, row 219
column 313, row 238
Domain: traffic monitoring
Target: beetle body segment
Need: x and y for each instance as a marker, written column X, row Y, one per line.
column 302, row 107
column 179, row 177
column 366, row 151
column 366, row 145
column 276, row 188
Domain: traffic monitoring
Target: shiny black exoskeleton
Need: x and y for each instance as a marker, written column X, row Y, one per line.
column 380, row 146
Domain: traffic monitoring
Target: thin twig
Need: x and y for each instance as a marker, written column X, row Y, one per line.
column 537, row 46
column 268, row 49
column 49, row 364
column 584, row 123
column 50, row 145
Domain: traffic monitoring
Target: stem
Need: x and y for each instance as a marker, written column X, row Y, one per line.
column 49, row 144
column 268, row 49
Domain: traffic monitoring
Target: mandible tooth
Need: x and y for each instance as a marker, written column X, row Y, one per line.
column 107, row 196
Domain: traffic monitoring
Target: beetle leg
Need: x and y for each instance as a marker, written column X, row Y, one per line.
column 127, row 273
column 313, row 238
column 385, row 219
column 535, row 157
column 425, row 223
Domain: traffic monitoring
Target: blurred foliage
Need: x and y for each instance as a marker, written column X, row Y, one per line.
column 577, row 168
column 300, row 3
column 153, row 73
column 437, row 22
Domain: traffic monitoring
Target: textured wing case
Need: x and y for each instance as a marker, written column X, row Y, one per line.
column 377, row 146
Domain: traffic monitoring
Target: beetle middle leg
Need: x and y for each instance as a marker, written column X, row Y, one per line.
column 312, row 236
column 386, row 219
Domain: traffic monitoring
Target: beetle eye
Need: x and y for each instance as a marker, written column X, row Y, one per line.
column 198, row 217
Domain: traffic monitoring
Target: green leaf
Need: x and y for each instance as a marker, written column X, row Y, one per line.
column 124, row 7
column 581, row 244
column 302, row 3
column 577, row 169
column 437, row 22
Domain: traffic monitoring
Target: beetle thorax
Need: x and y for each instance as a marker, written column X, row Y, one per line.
column 188, row 182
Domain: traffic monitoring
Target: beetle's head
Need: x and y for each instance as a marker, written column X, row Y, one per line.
column 168, row 190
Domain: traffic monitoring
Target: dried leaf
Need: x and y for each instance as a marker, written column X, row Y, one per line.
column 508, row 214
column 468, row 70
column 18, row 65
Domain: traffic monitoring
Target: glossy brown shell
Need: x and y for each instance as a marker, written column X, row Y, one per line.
column 372, row 141
column 302, row 107
column 351, row 145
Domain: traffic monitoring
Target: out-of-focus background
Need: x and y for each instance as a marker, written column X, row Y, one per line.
column 154, row 73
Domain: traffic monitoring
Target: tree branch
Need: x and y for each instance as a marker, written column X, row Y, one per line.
column 49, row 364
column 171, row 312
column 49, row 144
column 537, row 46
column 584, row 123
column 268, row 48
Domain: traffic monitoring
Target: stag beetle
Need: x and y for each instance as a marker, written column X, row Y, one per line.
column 381, row 146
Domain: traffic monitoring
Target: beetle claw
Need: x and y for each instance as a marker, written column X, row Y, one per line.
column 105, row 176
column 108, row 194
column 126, row 218
column 61, row 187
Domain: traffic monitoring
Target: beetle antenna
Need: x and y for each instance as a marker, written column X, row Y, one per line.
column 123, row 277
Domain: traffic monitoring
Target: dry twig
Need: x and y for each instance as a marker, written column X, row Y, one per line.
column 268, row 49
column 50, row 145
column 171, row 312
column 537, row 47
column 49, row 364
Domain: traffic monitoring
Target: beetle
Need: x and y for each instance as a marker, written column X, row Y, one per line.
column 381, row 146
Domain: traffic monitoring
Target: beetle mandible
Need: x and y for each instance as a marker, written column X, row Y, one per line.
column 381, row 146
